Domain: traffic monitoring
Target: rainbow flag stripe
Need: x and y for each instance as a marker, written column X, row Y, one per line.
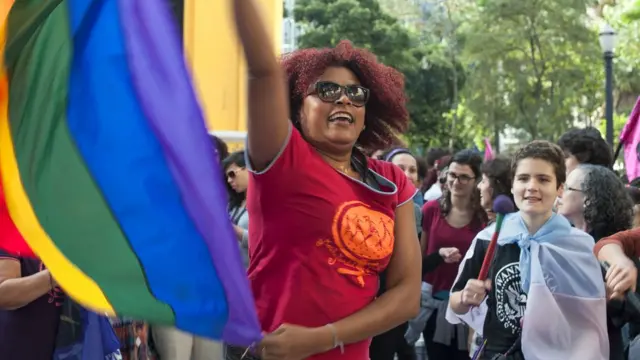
column 107, row 170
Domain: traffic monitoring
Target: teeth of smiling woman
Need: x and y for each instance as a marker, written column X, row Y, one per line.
column 341, row 116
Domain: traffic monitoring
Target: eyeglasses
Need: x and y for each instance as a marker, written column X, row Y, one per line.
column 573, row 189
column 462, row 179
column 328, row 91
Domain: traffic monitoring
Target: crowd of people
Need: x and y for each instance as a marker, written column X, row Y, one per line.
column 356, row 248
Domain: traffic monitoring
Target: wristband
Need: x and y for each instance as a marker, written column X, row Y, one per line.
column 336, row 341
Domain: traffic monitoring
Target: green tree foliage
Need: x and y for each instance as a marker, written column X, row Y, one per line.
column 529, row 68
column 633, row 14
column 626, row 62
column 533, row 66
column 626, row 65
column 327, row 22
column 430, row 88
column 619, row 121
column 429, row 81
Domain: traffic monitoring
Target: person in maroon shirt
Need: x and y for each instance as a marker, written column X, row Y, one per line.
column 30, row 307
column 325, row 219
column 451, row 223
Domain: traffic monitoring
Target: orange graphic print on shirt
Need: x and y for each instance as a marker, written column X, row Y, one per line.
column 362, row 239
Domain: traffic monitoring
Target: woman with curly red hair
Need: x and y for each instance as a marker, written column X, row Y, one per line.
column 325, row 219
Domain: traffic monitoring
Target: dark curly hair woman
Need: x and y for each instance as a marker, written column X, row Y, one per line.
column 325, row 219
column 596, row 201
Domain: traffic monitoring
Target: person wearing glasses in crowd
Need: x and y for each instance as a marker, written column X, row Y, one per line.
column 448, row 228
column 584, row 146
column 237, row 182
column 326, row 220
column 595, row 200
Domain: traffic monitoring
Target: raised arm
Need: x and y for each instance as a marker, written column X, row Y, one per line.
column 268, row 121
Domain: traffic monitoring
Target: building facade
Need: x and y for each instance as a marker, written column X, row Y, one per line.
column 217, row 61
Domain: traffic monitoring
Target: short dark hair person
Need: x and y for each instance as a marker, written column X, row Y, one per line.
column 543, row 150
column 588, row 147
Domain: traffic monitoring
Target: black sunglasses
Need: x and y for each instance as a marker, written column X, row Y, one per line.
column 328, row 91
column 231, row 174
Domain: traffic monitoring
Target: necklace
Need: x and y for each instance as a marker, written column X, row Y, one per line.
column 334, row 163
column 345, row 169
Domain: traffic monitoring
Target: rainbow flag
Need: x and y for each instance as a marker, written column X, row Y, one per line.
column 107, row 170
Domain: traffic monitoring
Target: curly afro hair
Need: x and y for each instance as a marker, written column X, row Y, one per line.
column 386, row 113
column 588, row 146
column 608, row 209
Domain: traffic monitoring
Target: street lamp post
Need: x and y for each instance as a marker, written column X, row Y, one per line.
column 608, row 44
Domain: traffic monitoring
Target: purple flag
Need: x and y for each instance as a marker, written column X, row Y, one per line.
column 630, row 137
column 157, row 64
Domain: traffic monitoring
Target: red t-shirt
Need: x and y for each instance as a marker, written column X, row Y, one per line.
column 318, row 240
column 441, row 234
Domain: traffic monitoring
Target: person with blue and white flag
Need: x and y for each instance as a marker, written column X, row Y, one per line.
column 545, row 297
